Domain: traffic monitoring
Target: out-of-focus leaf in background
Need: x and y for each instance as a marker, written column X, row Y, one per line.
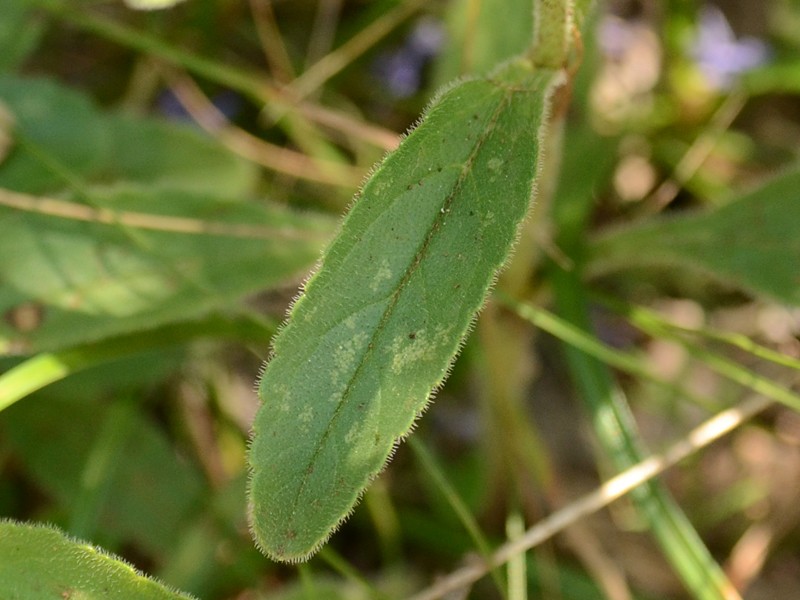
column 481, row 35
column 184, row 254
column 150, row 494
column 752, row 243
column 60, row 137
column 20, row 31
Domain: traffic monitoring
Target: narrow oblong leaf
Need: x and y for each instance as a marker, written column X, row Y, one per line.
column 380, row 322
column 40, row 562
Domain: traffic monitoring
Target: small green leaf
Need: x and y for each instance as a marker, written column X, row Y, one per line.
column 382, row 320
column 752, row 243
column 40, row 563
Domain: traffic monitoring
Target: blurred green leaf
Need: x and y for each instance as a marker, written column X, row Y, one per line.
column 152, row 151
column 196, row 563
column 481, row 35
column 138, row 258
column 752, row 243
column 41, row 563
column 53, row 120
column 20, row 31
column 773, row 78
column 151, row 493
column 60, row 136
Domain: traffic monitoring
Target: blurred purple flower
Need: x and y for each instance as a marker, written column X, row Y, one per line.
column 615, row 36
column 401, row 70
column 720, row 56
column 427, row 38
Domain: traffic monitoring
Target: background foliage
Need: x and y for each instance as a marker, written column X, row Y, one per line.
column 168, row 178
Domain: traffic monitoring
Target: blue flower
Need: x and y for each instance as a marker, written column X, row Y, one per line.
column 401, row 70
column 228, row 102
column 720, row 56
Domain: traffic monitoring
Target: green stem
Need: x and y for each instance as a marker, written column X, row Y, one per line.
column 579, row 339
column 552, row 27
column 649, row 320
column 618, row 434
column 349, row 572
column 435, row 472
column 595, row 384
column 650, row 323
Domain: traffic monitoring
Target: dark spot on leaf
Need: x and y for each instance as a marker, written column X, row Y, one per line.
column 412, row 336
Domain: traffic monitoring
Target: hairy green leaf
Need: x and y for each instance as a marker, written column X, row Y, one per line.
column 381, row 321
column 40, row 563
column 752, row 242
